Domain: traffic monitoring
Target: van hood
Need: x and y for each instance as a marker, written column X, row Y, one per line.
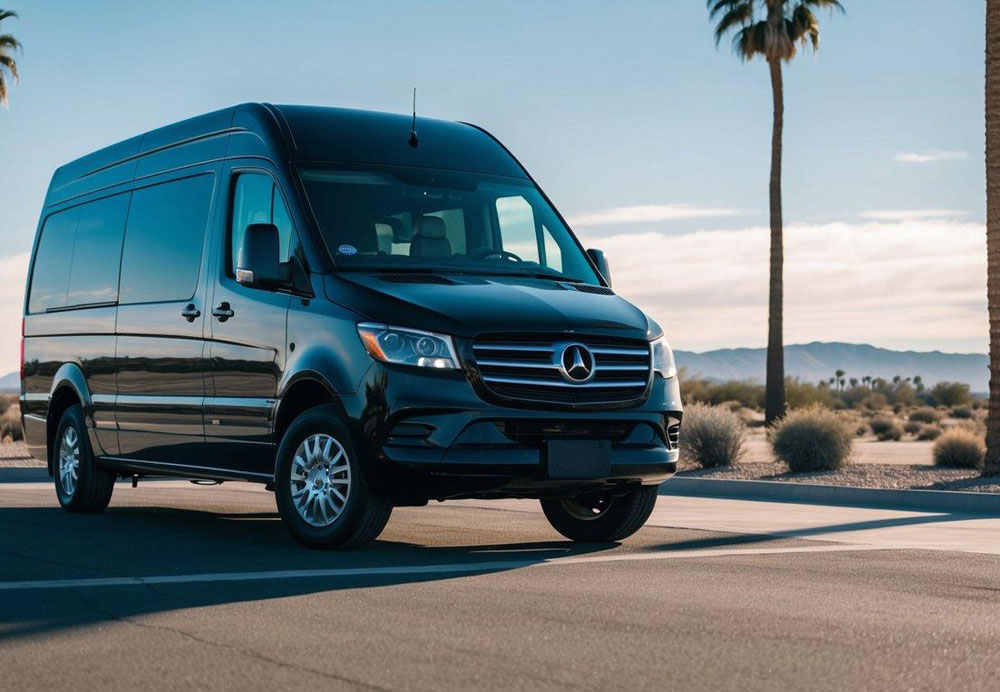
column 464, row 305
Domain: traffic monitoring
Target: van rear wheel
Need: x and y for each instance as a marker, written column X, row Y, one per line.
column 81, row 485
column 322, row 496
column 601, row 517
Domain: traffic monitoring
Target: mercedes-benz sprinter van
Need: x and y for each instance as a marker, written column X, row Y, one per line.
column 357, row 311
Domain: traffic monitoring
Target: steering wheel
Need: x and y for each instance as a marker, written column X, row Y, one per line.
column 486, row 253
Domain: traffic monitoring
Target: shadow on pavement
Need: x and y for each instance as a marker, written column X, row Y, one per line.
column 45, row 543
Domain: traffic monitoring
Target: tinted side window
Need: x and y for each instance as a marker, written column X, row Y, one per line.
column 97, row 251
column 50, row 275
column 163, row 240
column 256, row 199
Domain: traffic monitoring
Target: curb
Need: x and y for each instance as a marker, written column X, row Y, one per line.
column 811, row 493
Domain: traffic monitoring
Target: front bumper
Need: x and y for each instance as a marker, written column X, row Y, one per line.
column 431, row 437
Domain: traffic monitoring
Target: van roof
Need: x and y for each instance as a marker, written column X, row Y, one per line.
column 287, row 133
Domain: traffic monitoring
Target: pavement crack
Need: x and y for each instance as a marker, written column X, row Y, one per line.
column 250, row 653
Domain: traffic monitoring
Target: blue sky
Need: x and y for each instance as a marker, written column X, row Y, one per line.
column 655, row 143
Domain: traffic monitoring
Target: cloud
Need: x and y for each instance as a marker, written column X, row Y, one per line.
column 911, row 214
column 931, row 156
column 646, row 213
column 919, row 285
column 13, row 273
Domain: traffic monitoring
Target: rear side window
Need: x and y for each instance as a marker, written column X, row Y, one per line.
column 50, row 275
column 163, row 240
column 78, row 255
column 93, row 276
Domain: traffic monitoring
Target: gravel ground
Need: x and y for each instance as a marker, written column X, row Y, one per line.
column 16, row 454
column 866, row 475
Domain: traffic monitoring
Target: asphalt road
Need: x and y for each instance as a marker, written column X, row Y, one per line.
column 183, row 586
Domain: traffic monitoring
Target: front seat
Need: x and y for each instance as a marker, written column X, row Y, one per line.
column 429, row 239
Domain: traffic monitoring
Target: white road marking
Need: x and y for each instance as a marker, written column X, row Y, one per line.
column 453, row 568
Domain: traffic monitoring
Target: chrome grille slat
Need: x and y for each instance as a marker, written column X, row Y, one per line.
column 527, row 367
column 516, row 364
column 559, row 383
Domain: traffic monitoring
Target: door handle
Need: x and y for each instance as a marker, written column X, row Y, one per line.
column 190, row 312
column 223, row 311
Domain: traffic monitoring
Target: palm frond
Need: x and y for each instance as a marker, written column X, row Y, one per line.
column 804, row 27
column 751, row 40
column 741, row 14
column 8, row 41
column 824, row 4
column 3, row 91
column 715, row 7
column 9, row 63
column 5, row 14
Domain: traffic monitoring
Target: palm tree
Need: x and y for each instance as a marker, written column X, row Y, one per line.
column 782, row 24
column 992, row 465
column 840, row 378
column 8, row 44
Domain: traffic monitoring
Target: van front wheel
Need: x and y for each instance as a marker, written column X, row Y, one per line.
column 323, row 498
column 600, row 517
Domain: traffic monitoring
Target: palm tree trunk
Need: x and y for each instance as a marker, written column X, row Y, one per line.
column 774, row 392
column 992, row 466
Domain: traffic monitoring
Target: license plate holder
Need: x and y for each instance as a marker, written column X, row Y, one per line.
column 578, row 459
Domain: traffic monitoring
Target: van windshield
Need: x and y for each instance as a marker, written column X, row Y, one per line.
column 413, row 219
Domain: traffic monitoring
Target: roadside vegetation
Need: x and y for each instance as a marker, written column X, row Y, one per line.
column 10, row 419
column 713, row 436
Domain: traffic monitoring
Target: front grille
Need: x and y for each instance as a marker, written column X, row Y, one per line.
column 531, row 432
column 526, row 367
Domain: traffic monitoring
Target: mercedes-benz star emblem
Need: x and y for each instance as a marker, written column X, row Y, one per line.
column 576, row 363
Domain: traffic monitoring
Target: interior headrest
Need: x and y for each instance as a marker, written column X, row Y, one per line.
column 430, row 227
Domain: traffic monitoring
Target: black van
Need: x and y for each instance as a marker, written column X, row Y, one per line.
column 359, row 313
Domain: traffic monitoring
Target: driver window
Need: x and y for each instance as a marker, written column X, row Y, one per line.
column 517, row 227
column 256, row 199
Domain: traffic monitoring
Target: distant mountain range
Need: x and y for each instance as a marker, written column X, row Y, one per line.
column 818, row 361
column 11, row 382
column 809, row 362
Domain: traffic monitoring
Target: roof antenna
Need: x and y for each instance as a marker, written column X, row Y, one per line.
column 413, row 127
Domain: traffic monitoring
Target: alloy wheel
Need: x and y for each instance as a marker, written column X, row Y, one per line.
column 320, row 480
column 69, row 460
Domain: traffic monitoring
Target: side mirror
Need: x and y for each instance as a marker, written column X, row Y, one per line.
column 601, row 262
column 259, row 261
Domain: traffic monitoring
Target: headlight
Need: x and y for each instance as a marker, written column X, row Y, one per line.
column 663, row 358
column 408, row 346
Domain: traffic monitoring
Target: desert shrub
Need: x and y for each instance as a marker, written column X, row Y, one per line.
column 961, row 412
column 875, row 402
column 913, row 427
column 951, row 394
column 712, row 436
column 925, row 415
column 894, row 433
column 929, row 432
column 748, row 394
column 10, row 424
column 862, row 429
column 800, row 394
column 732, row 405
column 812, row 439
column 959, row 448
column 881, row 424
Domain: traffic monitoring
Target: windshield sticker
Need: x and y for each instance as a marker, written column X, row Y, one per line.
column 347, row 250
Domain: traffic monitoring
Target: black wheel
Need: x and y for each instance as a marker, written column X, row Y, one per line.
column 81, row 485
column 322, row 496
column 599, row 518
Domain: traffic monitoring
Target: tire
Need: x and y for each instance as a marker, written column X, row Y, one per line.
column 81, row 485
column 322, row 495
column 601, row 518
